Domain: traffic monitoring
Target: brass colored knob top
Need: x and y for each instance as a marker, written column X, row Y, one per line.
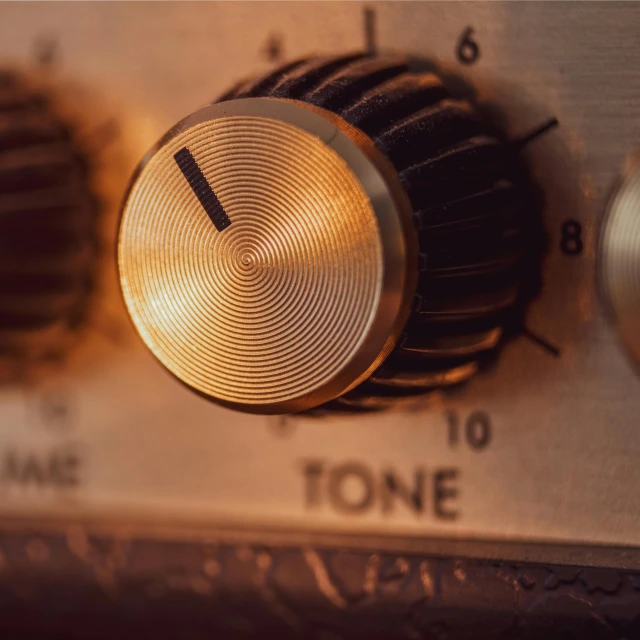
column 267, row 254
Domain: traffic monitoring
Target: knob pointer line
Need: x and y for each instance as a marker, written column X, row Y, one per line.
column 205, row 194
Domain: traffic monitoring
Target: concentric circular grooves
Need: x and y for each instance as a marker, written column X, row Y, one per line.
column 333, row 308
column 620, row 256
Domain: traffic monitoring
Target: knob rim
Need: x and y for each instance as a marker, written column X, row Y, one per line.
column 393, row 215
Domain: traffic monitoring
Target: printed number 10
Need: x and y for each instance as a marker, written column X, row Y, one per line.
column 476, row 431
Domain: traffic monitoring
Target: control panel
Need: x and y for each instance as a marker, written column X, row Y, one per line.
column 347, row 272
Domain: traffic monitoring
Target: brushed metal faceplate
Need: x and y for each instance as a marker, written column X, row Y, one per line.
column 541, row 448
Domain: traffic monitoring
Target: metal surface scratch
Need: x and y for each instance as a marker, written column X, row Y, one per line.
column 104, row 563
column 323, row 581
column 459, row 572
column 372, row 572
column 426, row 579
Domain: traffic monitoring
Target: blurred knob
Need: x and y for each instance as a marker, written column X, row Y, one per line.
column 620, row 256
column 47, row 226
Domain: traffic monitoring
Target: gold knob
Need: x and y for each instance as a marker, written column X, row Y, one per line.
column 267, row 254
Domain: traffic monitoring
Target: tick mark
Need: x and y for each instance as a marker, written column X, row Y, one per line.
column 46, row 50
column 198, row 183
column 370, row 41
column 273, row 49
column 520, row 143
column 541, row 342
